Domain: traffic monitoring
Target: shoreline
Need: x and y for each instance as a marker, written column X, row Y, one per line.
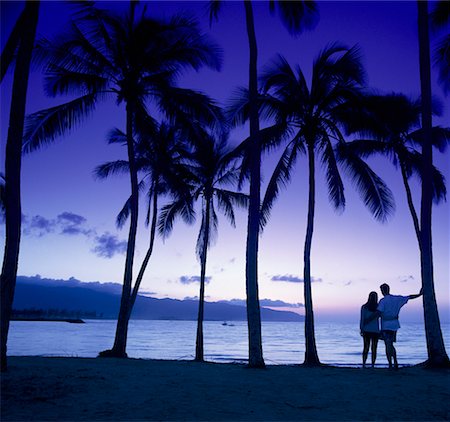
column 108, row 389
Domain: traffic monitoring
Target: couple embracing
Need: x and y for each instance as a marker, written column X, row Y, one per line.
column 387, row 310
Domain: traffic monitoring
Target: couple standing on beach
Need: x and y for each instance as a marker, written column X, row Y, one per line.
column 387, row 310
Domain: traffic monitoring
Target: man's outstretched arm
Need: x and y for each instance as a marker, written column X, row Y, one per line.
column 417, row 295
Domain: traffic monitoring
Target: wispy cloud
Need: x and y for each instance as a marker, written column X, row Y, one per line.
column 406, row 278
column 108, row 245
column 290, row 278
column 185, row 279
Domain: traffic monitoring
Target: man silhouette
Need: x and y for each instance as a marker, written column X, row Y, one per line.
column 389, row 308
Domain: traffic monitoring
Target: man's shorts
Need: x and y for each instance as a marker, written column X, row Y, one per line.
column 389, row 335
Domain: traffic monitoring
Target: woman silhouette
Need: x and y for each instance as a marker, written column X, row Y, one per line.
column 369, row 326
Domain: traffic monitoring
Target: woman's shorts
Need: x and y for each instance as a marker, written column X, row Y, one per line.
column 389, row 335
column 371, row 336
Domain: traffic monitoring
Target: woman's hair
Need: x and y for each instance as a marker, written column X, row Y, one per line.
column 372, row 302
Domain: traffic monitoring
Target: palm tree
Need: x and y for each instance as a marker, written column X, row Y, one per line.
column 210, row 174
column 22, row 40
column 435, row 344
column 136, row 60
column 310, row 116
column 297, row 16
column 160, row 152
column 392, row 122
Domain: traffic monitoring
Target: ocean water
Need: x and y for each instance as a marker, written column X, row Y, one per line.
column 283, row 342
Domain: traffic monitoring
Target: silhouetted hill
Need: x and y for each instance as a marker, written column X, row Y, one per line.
column 73, row 295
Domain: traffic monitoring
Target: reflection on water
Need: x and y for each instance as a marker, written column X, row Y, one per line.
column 283, row 342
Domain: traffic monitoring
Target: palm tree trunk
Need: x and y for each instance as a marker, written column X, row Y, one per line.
column 148, row 254
column 120, row 341
column 409, row 198
column 437, row 355
column 311, row 357
column 255, row 353
column 13, row 162
column 199, row 356
column 12, row 43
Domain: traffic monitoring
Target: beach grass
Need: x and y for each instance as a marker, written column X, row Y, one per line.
column 75, row 389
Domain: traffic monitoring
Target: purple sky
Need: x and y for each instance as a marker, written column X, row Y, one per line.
column 69, row 227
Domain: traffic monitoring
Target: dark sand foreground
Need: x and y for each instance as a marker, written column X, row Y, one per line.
column 72, row 389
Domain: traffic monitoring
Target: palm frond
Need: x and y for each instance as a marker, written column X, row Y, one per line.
column 333, row 178
column 45, row 126
column 189, row 108
column 281, row 176
column 110, row 168
column 440, row 137
column 377, row 197
column 116, row 136
column 125, row 212
column 181, row 207
column 227, row 200
column 413, row 162
column 441, row 59
column 60, row 81
column 297, row 16
column 214, row 7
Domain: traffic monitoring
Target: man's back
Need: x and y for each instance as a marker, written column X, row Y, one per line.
column 390, row 306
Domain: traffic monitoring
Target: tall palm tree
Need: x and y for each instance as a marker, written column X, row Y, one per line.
column 21, row 40
column 435, row 344
column 297, row 16
column 211, row 173
column 160, row 152
column 310, row 115
column 135, row 60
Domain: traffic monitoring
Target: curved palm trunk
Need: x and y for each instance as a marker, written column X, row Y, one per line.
column 199, row 357
column 311, row 357
column 120, row 341
column 255, row 358
column 409, row 198
column 13, row 211
column 147, row 255
column 437, row 355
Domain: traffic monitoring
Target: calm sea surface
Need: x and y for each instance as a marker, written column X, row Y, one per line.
column 283, row 342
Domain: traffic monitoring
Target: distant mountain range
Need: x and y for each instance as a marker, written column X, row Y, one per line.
column 103, row 300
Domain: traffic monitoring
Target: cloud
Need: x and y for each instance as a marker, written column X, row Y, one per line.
column 184, row 279
column 290, row 278
column 37, row 225
column 73, row 224
column 108, row 245
column 66, row 223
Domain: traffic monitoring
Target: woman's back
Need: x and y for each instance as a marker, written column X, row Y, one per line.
column 371, row 326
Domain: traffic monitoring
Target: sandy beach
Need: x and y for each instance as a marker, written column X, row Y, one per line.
column 72, row 389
